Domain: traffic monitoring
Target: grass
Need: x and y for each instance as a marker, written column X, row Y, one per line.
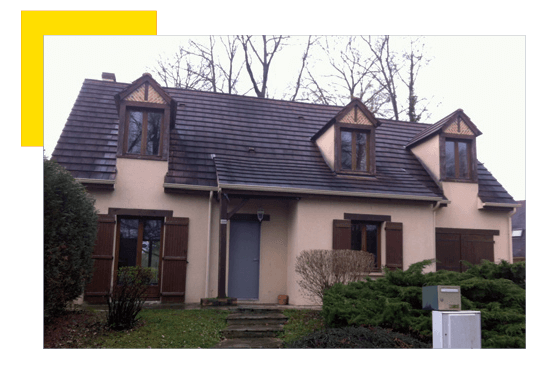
column 162, row 328
column 301, row 323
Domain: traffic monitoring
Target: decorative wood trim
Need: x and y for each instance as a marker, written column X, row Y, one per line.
column 139, row 212
column 487, row 232
column 367, row 217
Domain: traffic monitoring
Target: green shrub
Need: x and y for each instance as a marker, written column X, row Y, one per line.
column 70, row 225
column 357, row 337
column 395, row 301
column 128, row 296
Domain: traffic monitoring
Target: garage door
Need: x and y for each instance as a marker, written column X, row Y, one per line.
column 471, row 245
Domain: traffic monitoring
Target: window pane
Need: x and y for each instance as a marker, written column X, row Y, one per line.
column 150, row 247
column 128, row 242
column 450, row 158
column 361, row 152
column 372, row 241
column 135, row 128
column 356, row 237
column 345, row 149
column 463, row 160
column 154, row 120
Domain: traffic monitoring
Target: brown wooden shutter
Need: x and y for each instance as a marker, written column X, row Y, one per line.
column 98, row 289
column 174, row 267
column 341, row 234
column 394, row 245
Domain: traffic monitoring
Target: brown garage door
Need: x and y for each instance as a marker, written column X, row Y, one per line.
column 471, row 245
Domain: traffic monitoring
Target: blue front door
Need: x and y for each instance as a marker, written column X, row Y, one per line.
column 244, row 259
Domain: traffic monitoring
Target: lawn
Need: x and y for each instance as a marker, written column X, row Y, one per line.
column 162, row 328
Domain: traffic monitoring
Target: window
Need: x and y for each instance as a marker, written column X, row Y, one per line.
column 458, row 159
column 140, row 243
column 354, row 154
column 144, row 129
column 355, row 151
column 517, row 233
column 365, row 236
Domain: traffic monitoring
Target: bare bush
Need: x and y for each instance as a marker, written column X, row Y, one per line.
column 321, row 269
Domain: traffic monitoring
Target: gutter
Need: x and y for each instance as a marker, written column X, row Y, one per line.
column 277, row 189
column 95, row 181
column 189, row 187
column 481, row 204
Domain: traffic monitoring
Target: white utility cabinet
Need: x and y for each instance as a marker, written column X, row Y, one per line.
column 456, row 329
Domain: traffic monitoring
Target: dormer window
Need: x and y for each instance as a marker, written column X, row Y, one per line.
column 458, row 159
column 355, row 149
column 144, row 129
column 144, row 112
column 458, row 145
column 347, row 141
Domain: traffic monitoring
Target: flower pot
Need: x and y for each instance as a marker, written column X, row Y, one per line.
column 283, row 299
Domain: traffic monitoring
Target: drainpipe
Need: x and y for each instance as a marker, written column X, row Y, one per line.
column 510, row 241
column 436, row 207
column 208, row 247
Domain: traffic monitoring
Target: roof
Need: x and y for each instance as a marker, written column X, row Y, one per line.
column 230, row 140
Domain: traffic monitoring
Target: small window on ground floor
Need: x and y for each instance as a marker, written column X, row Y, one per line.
column 365, row 236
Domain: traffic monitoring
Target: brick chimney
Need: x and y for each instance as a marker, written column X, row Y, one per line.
column 108, row 77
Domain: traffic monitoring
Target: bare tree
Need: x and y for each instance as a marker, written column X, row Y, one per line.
column 305, row 56
column 231, row 71
column 387, row 68
column 269, row 46
column 414, row 59
column 199, row 66
column 350, row 76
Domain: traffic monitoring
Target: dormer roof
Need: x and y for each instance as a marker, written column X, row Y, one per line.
column 144, row 90
column 354, row 113
column 457, row 123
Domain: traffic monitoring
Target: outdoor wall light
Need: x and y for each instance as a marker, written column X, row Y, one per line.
column 260, row 214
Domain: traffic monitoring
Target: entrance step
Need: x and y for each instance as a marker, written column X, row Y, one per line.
column 253, row 328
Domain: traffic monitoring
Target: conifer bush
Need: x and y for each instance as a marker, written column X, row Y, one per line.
column 70, row 226
column 356, row 338
column 395, row 301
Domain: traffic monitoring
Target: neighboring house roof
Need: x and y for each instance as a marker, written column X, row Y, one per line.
column 227, row 140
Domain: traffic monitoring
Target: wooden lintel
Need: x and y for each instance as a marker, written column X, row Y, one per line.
column 236, row 209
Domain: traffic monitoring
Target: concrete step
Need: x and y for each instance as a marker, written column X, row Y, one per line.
column 252, row 323
column 251, row 331
column 250, row 343
column 256, row 319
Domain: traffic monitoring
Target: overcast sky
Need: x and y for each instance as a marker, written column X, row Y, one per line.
column 485, row 76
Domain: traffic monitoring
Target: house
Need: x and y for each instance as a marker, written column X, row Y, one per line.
column 518, row 231
column 182, row 177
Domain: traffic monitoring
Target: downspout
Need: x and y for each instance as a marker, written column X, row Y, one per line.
column 208, row 245
column 436, row 207
column 510, row 241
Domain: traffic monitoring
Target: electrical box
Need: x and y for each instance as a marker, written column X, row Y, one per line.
column 456, row 329
column 441, row 297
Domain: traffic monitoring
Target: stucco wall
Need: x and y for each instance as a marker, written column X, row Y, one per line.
column 139, row 185
column 428, row 153
column 326, row 145
column 463, row 212
column 310, row 227
column 294, row 226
